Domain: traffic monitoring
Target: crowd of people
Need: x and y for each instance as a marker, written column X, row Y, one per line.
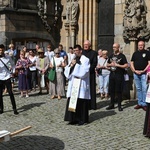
column 83, row 65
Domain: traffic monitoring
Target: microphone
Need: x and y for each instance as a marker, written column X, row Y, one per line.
column 74, row 58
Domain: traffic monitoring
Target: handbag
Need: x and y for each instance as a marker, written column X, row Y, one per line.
column 27, row 72
column 42, row 82
column 99, row 70
column 15, row 74
column 52, row 72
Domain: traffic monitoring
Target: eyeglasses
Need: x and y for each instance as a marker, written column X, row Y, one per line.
column 40, row 52
column 57, row 53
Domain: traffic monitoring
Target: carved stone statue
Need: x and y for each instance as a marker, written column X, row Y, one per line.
column 68, row 10
column 74, row 10
column 134, row 20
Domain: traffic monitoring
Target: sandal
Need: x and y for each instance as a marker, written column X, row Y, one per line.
column 59, row 97
column 52, row 97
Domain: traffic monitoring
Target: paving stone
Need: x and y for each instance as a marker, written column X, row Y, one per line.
column 107, row 130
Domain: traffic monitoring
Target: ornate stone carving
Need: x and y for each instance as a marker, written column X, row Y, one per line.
column 68, row 10
column 134, row 20
column 72, row 8
column 74, row 11
column 42, row 12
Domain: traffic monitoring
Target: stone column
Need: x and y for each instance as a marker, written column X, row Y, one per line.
column 88, row 22
column 95, row 25
column 86, row 19
column 67, row 36
column 73, row 34
column 80, row 38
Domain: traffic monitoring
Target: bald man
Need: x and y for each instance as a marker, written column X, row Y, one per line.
column 92, row 55
column 117, row 63
column 139, row 64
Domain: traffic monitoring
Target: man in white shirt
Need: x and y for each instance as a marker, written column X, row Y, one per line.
column 6, row 65
column 71, row 55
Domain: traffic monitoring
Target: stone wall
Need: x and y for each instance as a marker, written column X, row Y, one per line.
column 4, row 2
column 87, row 23
column 119, row 9
column 22, row 25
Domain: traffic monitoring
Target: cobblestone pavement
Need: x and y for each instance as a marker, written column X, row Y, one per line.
column 107, row 130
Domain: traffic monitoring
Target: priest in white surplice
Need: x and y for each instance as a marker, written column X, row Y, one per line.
column 78, row 68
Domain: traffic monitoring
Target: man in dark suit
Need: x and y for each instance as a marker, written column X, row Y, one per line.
column 92, row 55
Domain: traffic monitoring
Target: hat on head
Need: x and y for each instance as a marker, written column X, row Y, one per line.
column 57, row 50
column 40, row 50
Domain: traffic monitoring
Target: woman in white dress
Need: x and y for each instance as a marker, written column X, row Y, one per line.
column 57, row 87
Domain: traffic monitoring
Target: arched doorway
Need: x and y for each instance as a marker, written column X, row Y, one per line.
column 106, row 24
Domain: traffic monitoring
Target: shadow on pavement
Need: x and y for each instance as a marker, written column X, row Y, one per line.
column 100, row 115
column 29, row 106
column 32, row 142
column 129, row 103
column 103, row 103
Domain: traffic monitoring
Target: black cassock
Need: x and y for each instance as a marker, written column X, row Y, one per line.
column 92, row 55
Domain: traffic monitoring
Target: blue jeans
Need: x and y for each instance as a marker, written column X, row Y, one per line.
column 103, row 83
column 141, row 88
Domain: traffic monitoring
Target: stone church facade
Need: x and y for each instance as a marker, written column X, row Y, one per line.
column 70, row 22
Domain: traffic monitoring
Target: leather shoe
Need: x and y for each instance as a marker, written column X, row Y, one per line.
column 81, row 123
column 72, row 123
column 1, row 111
column 110, row 107
column 137, row 107
column 144, row 108
column 120, row 109
column 16, row 112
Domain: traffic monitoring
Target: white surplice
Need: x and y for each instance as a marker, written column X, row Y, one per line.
column 80, row 71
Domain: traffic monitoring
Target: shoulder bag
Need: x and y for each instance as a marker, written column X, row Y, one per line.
column 52, row 72
column 99, row 70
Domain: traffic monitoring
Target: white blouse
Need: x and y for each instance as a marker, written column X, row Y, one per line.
column 58, row 61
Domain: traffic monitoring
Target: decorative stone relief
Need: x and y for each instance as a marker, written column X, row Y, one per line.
column 72, row 8
column 68, row 11
column 74, row 11
column 134, row 20
column 42, row 12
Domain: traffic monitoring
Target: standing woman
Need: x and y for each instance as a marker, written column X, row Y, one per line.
column 25, row 50
column 103, row 75
column 22, row 65
column 49, row 53
column 42, row 65
column 32, row 69
column 12, row 52
column 57, row 87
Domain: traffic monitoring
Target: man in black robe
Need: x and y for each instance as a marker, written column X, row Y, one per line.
column 92, row 55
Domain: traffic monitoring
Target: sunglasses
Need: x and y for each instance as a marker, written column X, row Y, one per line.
column 57, row 53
